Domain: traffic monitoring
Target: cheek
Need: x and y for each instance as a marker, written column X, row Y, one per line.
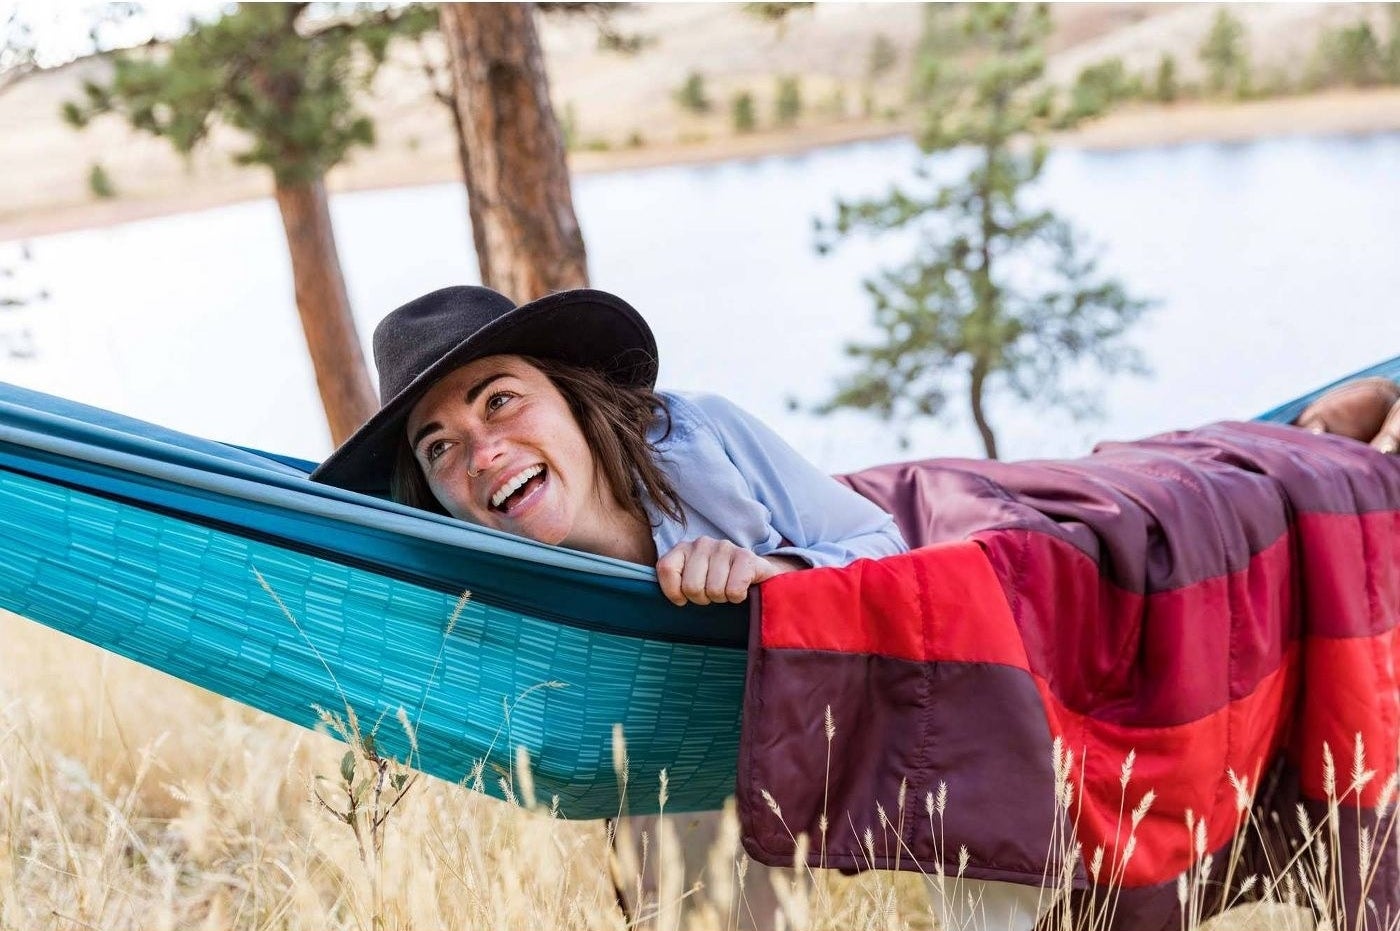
column 452, row 497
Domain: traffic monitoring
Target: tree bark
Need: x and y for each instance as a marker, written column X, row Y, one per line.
column 518, row 180
column 324, row 307
column 474, row 217
column 979, row 416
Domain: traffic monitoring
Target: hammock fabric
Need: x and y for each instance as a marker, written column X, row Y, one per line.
column 1223, row 599
column 144, row 541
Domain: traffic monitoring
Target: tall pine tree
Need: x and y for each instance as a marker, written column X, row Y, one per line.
column 288, row 85
column 997, row 296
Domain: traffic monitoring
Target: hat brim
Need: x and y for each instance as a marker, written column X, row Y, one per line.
column 583, row 327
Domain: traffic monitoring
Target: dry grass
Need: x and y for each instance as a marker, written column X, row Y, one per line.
column 131, row 800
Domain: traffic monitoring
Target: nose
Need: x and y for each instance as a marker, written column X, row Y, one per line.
column 485, row 449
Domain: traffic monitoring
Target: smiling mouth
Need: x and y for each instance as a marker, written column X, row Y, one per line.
column 520, row 487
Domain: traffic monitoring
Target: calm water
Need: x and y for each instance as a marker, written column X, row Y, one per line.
column 1274, row 264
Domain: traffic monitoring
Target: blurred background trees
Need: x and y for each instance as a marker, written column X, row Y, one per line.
column 291, row 82
column 998, row 295
column 289, row 87
column 299, row 92
column 1226, row 57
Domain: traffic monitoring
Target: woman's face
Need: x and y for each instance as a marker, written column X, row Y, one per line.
column 500, row 447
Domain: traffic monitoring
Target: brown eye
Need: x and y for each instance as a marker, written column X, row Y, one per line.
column 435, row 449
column 498, row 400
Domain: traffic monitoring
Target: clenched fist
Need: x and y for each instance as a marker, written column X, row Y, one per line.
column 708, row 571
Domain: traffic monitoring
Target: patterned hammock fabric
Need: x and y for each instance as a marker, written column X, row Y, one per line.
column 1212, row 601
column 148, row 542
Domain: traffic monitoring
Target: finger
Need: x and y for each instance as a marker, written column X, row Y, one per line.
column 696, row 571
column 668, row 573
column 742, row 575
column 722, row 562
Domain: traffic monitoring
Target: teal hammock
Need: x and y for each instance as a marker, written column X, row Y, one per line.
column 150, row 543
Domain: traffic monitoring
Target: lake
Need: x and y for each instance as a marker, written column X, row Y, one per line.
column 1274, row 265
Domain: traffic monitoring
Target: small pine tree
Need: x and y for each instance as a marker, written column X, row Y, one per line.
column 998, row 295
column 788, row 102
column 691, row 94
column 1225, row 57
column 1164, row 87
column 100, row 183
column 744, row 113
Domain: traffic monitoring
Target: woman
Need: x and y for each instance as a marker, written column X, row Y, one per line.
column 542, row 421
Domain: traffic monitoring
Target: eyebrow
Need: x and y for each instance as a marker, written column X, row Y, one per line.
column 472, row 394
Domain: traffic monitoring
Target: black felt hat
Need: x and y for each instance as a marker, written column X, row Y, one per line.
column 428, row 337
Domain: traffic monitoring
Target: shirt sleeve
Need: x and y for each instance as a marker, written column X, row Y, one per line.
column 813, row 517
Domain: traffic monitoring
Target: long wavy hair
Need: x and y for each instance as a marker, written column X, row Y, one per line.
column 614, row 420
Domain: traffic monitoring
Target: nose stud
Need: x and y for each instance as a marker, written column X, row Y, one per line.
column 471, row 474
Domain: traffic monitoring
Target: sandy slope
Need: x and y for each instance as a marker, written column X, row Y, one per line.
column 44, row 164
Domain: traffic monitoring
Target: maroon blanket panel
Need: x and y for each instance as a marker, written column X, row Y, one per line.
column 1219, row 599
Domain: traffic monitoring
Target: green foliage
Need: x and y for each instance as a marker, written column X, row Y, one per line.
column 775, row 13
column 1349, row 56
column 691, row 94
column 287, row 85
column 882, row 58
column 100, row 183
column 743, row 112
column 787, row 105
column 996, row 296
column 1165, row 88
column 1096, row 90
column 1392, row 46
column 1226, row 59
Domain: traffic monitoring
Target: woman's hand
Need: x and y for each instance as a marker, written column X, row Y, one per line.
column 708, row 571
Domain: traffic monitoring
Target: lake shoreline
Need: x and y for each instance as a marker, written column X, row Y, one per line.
column 1337, row 113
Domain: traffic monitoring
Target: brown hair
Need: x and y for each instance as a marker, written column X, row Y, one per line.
column 614, row 419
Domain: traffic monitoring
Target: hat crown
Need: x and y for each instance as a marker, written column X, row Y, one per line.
column 412, row 338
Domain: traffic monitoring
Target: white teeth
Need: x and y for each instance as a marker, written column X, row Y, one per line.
column 513, row 485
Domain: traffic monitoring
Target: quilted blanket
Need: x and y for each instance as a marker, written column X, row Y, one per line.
column 1209, row 615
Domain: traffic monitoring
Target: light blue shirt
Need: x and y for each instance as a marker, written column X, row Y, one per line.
column 739, row 481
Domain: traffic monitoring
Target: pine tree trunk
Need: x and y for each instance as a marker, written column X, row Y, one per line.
column 478, row 223
column 519, row 181
column 979, row 415
column 324, row 306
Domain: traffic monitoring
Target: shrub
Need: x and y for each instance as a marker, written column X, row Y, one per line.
column 1164, row 86
column 691, row 94
column 1097, row 89
column 744, row 114
column 1350, row 55
column 100, row 183
column 788, row 103
column 883, row 56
